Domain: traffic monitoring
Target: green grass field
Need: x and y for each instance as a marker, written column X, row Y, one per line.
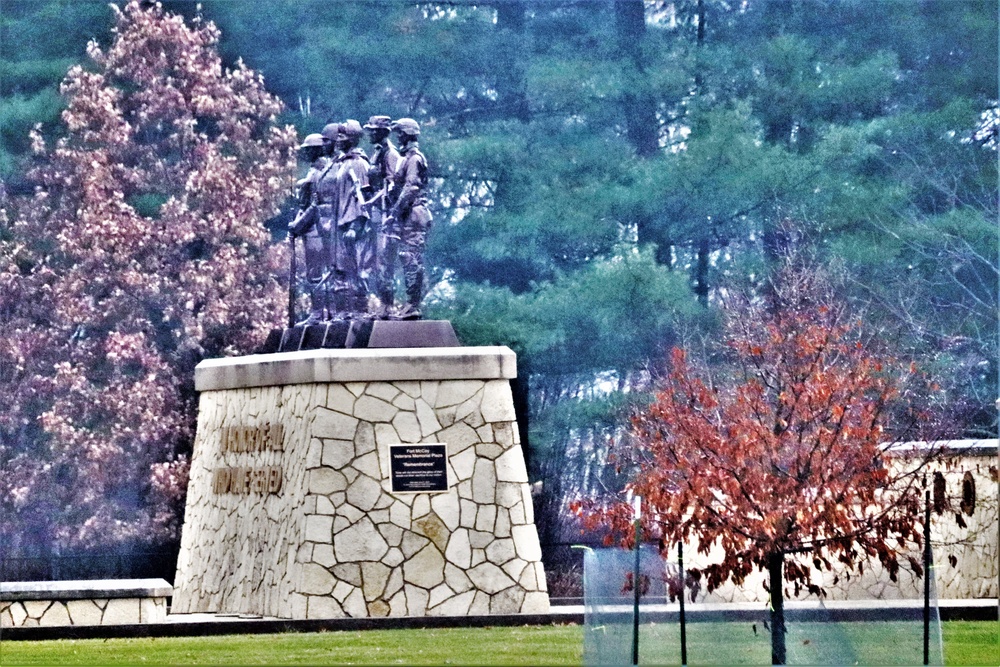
column 807, row 643
column 966, row 643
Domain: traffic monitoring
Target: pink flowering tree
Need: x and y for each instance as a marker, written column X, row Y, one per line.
column 141, row 251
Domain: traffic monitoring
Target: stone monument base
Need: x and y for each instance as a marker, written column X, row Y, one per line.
column 305, row 498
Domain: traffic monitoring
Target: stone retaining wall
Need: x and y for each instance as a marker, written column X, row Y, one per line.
column 332, row 539
column 966, row 557
column 105, row 602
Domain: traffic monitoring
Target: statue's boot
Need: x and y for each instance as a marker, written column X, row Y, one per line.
column 359, row 304
column 317, row 297
column 385, row 295
column 341, row 305
column 408, row 312
column 411, row 311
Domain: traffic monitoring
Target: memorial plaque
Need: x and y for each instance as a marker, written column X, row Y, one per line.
column 419, row 468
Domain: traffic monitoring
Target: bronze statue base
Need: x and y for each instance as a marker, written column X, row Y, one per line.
column 352, row 334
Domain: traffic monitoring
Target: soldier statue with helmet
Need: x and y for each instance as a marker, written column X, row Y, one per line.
column 306, row 223
column 381, row 256
column 330, row 140
column 324, row 190
column 353, row 240
column 350, row 283
column 409, row 218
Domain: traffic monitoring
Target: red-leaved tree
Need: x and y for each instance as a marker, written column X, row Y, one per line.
column 142, row 251
column 782, row 453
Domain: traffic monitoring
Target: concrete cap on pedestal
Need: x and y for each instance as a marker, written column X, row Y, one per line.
column 357, row 365
column 84, row 589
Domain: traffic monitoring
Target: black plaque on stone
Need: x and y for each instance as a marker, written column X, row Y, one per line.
column 419, row 468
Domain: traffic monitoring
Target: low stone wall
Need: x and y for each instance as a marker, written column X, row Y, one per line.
column 964, row 538
column 291, row 510
column 103, row 602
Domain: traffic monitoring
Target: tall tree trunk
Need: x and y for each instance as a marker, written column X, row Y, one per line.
column 700, row 40
column 639, row 111
column 638, row 103
column 775, row 563
column 511, row 82
column 701, row 266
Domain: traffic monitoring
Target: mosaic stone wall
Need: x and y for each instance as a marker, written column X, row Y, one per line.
column 330, row 538
column 83, row 602
column 966, row 557
column 98, row 611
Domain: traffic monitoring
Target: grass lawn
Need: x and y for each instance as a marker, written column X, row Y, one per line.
column 546, row 645
column 971, row 642
column 966, row 643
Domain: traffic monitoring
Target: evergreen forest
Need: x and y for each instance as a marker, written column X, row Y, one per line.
column 605, row 173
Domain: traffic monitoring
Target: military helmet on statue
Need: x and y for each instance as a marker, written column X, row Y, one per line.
column 406, row 126
column 312, row 140
column 330, row 131
column 350, row 130
column 378, row 123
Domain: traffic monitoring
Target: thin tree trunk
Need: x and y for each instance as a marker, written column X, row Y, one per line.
column 775, row 564
column 511, row 81
column 701, row 272
column 639, row 113
column 700, row 40
column 638, row 103
column 701, row 288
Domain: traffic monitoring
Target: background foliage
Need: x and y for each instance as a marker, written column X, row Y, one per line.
column 141, row 251
column 603, row 169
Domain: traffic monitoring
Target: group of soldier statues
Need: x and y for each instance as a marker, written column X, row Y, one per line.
column 360, row 218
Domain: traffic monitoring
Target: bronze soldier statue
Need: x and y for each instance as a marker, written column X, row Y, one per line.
column 306, row 224
column 330, row 140
column 325, row 197
column 382, row 256
column 350, row 284
column 409, row 219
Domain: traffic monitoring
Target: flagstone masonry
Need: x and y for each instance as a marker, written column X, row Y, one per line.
column 334, row 540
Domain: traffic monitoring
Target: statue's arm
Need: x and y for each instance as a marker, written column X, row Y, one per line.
column 410, row 189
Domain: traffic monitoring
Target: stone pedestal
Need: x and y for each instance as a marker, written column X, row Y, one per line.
column 291, row 510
